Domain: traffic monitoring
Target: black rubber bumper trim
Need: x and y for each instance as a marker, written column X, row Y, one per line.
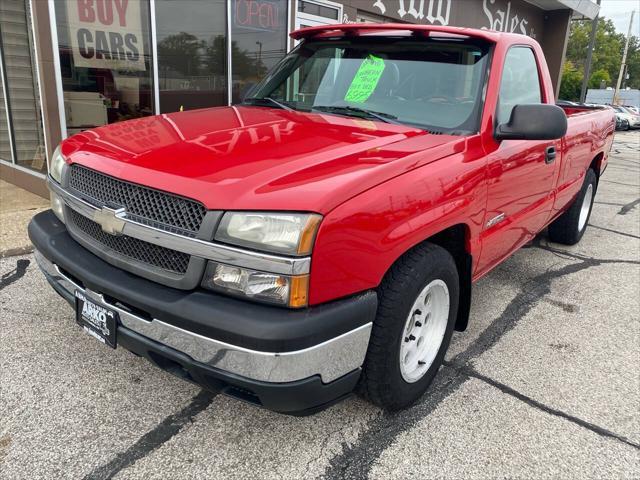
column 241, row 323
column 302, row 397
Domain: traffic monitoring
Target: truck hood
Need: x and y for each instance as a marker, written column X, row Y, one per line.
column 256, row 158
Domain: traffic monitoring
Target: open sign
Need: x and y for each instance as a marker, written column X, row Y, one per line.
column 106, row 34
column 257, row 14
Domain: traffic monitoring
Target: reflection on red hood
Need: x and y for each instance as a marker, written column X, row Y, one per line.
column 236, row 158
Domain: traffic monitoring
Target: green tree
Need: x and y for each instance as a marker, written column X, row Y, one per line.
column 633, row 63
column 245, row 64
column 598, row 77
column 607, row 55
column 571, row 82
column 182, row 53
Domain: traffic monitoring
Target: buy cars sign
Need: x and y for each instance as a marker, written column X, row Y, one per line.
column 106, row 34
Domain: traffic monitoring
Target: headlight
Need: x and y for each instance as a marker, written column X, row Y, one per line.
column 274, row 288
column 57, row 205
column 56, row 164
column 288, row 233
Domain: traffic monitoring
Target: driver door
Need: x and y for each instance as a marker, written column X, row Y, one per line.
column 521, row 173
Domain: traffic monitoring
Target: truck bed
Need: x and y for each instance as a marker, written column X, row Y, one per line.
column 574, row 110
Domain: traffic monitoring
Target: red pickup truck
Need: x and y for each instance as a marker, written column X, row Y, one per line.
column 322, row 236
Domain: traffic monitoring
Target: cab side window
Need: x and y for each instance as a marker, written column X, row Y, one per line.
column 520, row 82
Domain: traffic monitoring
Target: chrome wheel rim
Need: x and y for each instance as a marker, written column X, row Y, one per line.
column 424, row 331
column 586, row 207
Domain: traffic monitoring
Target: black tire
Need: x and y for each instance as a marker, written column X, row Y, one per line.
column 381, row 382
column 566, row 228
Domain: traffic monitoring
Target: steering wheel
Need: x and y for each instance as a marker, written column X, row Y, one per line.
column 439, row 99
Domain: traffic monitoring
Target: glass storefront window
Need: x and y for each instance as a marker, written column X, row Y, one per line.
column 258, row 40
column 20, row 85
column 106, row 53
column 192, row 54
column 105, row 58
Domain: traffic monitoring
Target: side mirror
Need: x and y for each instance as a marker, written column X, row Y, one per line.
column 534, row 122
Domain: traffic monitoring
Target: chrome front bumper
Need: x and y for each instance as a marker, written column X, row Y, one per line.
column 330, row 360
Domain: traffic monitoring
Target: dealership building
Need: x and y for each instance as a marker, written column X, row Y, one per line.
column 72, row 65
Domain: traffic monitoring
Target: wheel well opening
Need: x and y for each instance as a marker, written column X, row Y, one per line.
column 596, row 164
column 455, row 240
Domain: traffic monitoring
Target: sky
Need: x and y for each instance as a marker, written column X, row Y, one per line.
column 620, row 11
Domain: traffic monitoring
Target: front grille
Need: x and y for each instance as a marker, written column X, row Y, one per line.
column 144, row 205
column 132, row 248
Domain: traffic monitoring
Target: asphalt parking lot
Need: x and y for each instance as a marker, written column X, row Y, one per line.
column 544, row 384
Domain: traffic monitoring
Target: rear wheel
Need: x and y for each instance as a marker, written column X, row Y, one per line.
column 569, row 228
column 418, row 304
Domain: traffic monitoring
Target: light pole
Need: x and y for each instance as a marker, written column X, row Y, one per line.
column 259, row 51
column 624, row 61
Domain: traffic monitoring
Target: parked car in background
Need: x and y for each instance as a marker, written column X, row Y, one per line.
column 622, row 117
column 322, row 237
column 627, row 114
column 635, row 110
column 621, row 123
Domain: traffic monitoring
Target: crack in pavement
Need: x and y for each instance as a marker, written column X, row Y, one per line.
column 628, row 207
column 603, row 432
column 626, row 163
column 610, row 204
column 16, row 252
column 614, row 231
column 154, row 438
column 531, row 293
column 622, row 168
column 537, row 243
column 15, row 274
column 356, row 460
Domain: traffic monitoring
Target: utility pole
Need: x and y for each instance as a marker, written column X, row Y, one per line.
column 587, row 64
column 623, row 66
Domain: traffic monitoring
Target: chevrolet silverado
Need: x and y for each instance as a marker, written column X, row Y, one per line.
column 322, row 236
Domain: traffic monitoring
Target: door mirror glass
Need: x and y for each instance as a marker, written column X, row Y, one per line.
column 534, row 122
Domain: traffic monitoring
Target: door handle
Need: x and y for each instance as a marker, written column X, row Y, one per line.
column 550, row 155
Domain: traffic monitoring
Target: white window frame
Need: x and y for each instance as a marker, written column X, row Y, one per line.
column 36, row 61
column 58, row 71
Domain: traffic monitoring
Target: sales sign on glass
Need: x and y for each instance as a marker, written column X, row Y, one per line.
column 106, row 34
column 366, row 80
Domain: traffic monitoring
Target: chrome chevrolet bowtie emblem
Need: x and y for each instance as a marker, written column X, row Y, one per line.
column 110, row 220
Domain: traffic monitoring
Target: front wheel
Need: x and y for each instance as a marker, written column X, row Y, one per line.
column 418, row 304
column 569, row 227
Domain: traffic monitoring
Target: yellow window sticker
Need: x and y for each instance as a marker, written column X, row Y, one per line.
column 366, row 80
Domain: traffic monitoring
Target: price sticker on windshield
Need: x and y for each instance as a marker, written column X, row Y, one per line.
column 366, row 80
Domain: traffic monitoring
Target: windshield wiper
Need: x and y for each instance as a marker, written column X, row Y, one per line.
column 270, row 100
column 346, row 110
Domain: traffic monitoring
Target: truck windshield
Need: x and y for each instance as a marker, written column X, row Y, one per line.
column 433, row 84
